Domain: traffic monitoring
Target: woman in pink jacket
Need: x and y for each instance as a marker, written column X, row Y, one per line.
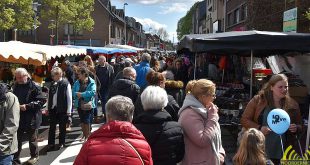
column 199, row 119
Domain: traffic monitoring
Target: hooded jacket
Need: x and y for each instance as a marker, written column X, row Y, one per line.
column 9, row 115
column 125, row 87
column 107, row 146
column 202, row 134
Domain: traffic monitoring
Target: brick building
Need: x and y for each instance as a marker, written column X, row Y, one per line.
column 265, row 15
column 108, row 29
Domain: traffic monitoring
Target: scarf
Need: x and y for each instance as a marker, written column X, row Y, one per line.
column 195, row 105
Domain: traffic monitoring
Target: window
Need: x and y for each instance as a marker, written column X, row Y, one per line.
column 112, row 30
column 230, row 19
column 68, row 29
column 243, row 12
column 236, row 16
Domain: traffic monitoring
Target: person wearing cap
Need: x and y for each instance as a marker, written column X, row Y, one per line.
column 128, row 63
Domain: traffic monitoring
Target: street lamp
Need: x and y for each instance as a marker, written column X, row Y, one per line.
column 52, row 34
column 15, row 34
column 35, row 6
column 125, row 23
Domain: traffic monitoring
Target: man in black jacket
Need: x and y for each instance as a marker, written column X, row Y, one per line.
column 28, row 94
column 126, row 86
column 59, row 107
column 105, row 74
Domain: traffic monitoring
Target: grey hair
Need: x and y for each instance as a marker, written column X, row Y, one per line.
column 168, row 75
column 102, row 58
column 56, row 71
column 128, row 71
column 154, row 98
column 120, row 108
column 146, row 57
column 22, row 71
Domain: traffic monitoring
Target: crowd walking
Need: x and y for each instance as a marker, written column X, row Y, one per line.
column 153, row 113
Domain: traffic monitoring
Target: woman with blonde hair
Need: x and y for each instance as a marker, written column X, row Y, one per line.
column 273, row 95
column 199, row 120
column 252, row 149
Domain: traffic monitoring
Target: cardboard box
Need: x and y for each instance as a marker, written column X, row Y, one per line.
column 298, row 91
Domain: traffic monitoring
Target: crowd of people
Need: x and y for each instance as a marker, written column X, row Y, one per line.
column 152, row 113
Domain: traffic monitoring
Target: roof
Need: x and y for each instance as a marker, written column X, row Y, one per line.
column 242, row 42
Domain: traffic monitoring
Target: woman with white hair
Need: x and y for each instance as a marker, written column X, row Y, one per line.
column 164, row 135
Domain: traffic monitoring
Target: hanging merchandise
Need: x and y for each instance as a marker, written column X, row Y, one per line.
column 223, row 63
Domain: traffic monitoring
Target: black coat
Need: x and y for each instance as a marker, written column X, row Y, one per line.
column 172, row 108
column 125, row 87
column 164, row 136
column 31, row 95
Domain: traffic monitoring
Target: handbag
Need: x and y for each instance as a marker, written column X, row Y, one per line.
column 132, row 147
column 86, row 106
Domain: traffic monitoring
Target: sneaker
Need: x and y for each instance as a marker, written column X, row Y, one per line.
column 51, row 148
column 32, row 160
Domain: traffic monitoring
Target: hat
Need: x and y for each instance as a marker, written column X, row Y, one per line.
column 113, row 60
column 129, row 60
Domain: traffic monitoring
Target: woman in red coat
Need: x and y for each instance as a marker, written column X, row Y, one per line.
column 117, row 142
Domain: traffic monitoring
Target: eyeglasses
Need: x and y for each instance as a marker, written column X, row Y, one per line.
column 213, row 95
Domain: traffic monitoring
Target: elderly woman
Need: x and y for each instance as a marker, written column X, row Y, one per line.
column 164, row 135
column 118, row 141
column 273, row 95
column 158, row 79
column 83, row 92
column 199, row 120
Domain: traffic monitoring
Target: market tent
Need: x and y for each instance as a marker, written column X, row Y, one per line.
column 258, row 43
column 263, row 43
column 13, row 54
column 124, row 47
column 105, row 50
column 47, row 50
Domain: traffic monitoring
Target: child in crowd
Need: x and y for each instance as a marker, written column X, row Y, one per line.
column 252, row 149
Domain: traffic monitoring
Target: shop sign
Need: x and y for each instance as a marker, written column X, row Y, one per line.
column 290, row 20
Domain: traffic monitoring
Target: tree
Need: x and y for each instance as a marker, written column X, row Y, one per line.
column 75, row 12
column 16, row 14
column 162, row 33
column 185, row 23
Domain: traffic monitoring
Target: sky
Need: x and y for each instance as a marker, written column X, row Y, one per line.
column 155, row 14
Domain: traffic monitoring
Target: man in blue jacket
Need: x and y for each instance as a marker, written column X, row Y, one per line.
column 142, row 69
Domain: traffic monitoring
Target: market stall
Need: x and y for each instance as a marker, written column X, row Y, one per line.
column 247, row 43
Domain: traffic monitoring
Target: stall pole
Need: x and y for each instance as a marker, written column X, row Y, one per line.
column 195, row 66
column 223, row 76
column 308, row 133
column 251, row 83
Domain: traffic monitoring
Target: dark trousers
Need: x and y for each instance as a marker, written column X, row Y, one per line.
column 103, row 98
column 31, row 135
column 61, row 119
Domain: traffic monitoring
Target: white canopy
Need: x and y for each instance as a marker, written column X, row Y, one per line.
column 36, row 52
column 14, row 54
column 123, row 47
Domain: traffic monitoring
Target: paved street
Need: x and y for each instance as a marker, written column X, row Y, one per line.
column 67, row 155
column 64, row 156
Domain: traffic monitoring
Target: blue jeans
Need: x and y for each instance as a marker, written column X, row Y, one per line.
column 6, row 159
